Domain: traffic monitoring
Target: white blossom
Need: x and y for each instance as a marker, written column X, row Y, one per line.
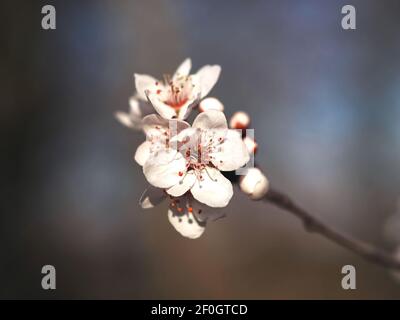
column 194, row 162
column 177, row 95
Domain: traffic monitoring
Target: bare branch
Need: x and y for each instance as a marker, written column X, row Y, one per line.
column 312, row 224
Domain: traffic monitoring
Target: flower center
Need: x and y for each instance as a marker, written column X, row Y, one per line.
column 198, row 153
column 178, row 91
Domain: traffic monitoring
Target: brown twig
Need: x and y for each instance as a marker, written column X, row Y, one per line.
column 312, row 224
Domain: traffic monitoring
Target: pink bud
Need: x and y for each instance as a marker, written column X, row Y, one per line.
column 251, row 145
column 239, row 120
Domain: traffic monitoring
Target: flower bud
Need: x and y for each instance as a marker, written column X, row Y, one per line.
column 251, row 145
column 211, row 104
column 254, row 183
column 239, row 120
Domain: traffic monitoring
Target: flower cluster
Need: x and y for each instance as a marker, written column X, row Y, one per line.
column 184, row 162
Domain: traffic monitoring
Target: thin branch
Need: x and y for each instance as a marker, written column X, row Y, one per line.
column 312, row 224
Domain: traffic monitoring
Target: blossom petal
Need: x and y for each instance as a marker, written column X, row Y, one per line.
column 124, row 118
column 151, row 197
column 154, row 125
column 211, row 119
column 183, row 185
column 143, row 83
column 134, row 107
column 214, row 189
column 143, row 153
column 185, row 110
column 163, row 109
column 183, row 69
column 165, row 168
column 232, row 153
column 208, row 77
column 186, row 224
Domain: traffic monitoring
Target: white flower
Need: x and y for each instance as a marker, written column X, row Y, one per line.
column 254, row 183
column 195, row 160
column 177, row 95
column 159, row 132
column 188, row 216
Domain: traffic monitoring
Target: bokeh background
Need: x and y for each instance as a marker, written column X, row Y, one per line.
column 325, row 106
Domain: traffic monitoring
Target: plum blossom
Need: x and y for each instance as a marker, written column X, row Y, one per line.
column 174, row 97
column 193, row 160
column 183, row 163
column 177, row 94
column 188, row 216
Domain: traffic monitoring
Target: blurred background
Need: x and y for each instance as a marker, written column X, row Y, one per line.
column 325, row 106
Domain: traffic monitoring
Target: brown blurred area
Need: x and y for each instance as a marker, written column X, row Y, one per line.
column 325, row 105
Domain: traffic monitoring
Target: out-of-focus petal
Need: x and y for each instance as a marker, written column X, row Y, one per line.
column 151, row 197
column 124, row 118
column 186, row 224
column 239, row 120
